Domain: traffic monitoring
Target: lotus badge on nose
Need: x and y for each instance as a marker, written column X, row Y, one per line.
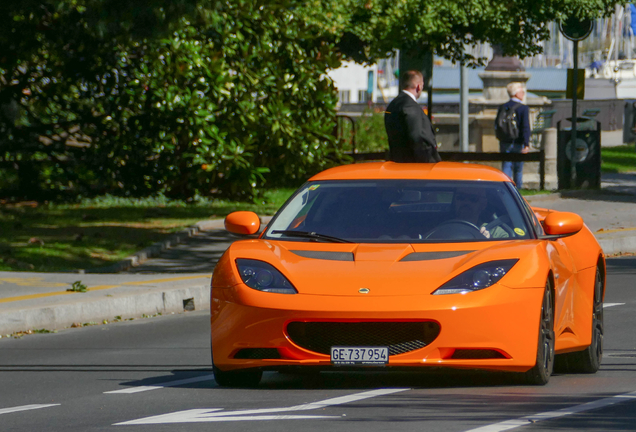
column 364, row 290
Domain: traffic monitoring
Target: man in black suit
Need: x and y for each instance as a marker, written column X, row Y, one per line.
column 411, row 136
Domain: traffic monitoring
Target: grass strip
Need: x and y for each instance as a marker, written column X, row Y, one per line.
column 618, row 159
column 103, row 231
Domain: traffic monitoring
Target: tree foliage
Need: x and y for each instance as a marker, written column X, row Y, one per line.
column 211, row 103
column 188, row 97
column 366, row 30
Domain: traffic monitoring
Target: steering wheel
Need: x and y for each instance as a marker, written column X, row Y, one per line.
column 499, row 222
column 460, row 227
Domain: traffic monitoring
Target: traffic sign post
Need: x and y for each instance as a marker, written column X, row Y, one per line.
column 575, row 30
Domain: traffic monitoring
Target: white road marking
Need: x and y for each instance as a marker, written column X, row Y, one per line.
column 25, row 408
column 213, row 414
column 606, row 305
column 531, row 419
column 162, row 385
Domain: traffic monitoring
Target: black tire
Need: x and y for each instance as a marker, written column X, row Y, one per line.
column 588, row 360
column 541, row 371
column 239, row 378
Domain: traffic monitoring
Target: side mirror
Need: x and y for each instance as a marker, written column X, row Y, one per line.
column 242, row 223
column 562, row 224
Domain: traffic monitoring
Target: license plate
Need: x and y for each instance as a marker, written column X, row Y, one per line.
column 370, row 356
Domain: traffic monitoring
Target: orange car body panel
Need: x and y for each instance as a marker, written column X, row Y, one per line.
column 503, row 317
column 573, row 324
column 418, row 171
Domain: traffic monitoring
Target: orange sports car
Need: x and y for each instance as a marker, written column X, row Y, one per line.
column 385, row 265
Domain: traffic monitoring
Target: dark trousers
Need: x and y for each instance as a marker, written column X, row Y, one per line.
column 514, row 170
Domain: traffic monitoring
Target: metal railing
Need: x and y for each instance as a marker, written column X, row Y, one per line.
column 447, row 156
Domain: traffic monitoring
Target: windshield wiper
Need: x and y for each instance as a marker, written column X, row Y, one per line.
column 310, row 235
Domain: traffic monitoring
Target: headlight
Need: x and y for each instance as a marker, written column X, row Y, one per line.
column 263, row 277
column 477, row 278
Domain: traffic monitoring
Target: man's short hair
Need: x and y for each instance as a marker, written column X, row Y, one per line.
column 513, row 88
column 410, row 79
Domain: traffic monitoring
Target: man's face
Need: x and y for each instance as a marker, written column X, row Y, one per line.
column 520, row 94
column 469, row 204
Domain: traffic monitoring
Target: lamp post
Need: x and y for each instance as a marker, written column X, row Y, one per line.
column 575, row 29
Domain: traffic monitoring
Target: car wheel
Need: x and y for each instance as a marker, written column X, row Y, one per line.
column 239, row 378
column 540, row 373
column 588, row 360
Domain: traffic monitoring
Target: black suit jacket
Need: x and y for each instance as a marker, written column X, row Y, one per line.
column 411, row 136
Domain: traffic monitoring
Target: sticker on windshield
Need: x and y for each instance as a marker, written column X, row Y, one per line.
column 520, row 232
column 314, row 187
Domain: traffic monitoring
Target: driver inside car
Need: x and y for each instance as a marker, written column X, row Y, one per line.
column 470, row 204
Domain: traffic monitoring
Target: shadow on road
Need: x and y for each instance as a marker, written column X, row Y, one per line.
column 315, row 380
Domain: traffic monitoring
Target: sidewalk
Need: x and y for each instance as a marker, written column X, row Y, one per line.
column 172, row 276
column 175, row 275
column 610, row 213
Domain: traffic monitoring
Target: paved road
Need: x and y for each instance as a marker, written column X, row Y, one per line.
column 154, row 374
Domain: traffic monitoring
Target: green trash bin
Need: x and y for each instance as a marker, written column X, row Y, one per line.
column 587, row 154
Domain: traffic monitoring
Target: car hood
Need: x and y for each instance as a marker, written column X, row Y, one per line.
column 384, row 269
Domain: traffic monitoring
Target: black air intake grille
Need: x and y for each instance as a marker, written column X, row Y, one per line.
column 400, row 337
column 476, row 354
column 257, row 353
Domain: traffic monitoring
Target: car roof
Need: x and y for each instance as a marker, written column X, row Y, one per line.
column 413, row 171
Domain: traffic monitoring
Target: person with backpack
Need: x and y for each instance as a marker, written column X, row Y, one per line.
column 512, row 128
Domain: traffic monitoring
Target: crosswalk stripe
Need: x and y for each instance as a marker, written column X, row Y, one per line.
column 25, row 408
column 549, row 415
column 218, row 415
column 162, row 385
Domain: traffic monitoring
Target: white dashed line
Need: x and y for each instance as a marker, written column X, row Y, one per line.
column 25, row 408
column 162, row 385
column 606, row 305
column 531, row 419
column 217, row 414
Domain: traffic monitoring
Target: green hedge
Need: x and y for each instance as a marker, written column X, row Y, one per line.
column 207, row 97
column 232, row 98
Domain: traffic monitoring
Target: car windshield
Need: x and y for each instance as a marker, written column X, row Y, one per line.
column 399, row 211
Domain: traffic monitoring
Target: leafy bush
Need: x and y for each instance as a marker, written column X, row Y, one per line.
column 233, row 96
column 209, row 97
column 370, row 132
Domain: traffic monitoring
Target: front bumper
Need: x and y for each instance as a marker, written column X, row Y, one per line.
column 497, row 318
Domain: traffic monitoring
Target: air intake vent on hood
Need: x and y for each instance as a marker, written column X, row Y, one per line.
column 324, row 255
column 428, row 256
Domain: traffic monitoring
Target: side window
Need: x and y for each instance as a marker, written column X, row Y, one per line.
column 538, row 229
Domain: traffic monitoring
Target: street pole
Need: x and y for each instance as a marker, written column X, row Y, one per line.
column 575, row 29
column 463, row 111
column 573, row 153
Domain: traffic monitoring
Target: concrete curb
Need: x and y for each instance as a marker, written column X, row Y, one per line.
column 126, row 305
column 617, row 245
